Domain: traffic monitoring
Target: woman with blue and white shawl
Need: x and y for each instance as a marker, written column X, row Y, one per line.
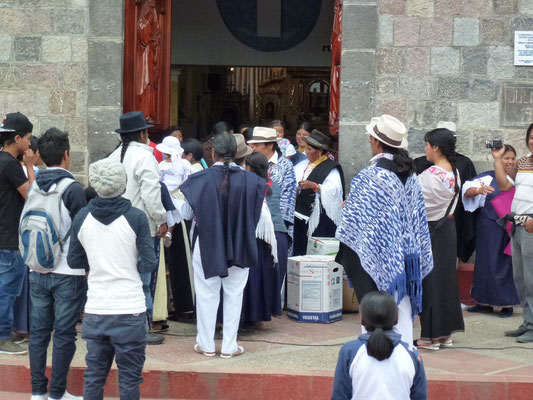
column 280, row 170
column 383, row 230
column 441, row 309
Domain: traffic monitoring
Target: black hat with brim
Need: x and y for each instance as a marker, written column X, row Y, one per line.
column 318, row 139
column 133, row 122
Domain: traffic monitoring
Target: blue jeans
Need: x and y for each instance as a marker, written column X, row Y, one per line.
column 12, row 271
column 122, row 336
column 57, row 302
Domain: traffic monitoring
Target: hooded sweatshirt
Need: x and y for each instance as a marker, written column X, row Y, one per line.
column 112, row 240
column 360, row 376
column 73, row 200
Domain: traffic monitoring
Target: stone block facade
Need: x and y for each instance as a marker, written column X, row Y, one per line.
column 435, row 60
column 61, row 65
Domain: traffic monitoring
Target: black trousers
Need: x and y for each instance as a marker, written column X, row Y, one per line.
column 176, row 260
column 359, row 278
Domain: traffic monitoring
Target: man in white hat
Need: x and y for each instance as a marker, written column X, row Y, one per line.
column 280, row 170
column 464, row 221
column 383, row 229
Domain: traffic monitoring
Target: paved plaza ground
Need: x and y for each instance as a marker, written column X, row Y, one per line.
column 282, row 347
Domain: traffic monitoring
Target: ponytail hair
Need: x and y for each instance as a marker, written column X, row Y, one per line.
column 225, row 147
column 259, row 166
column 444, row 139
column 379, row 313
column 127, row 138
column 404, row 163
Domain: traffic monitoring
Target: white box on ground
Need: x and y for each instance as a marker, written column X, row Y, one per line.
column 314, row 289
column 322, row 245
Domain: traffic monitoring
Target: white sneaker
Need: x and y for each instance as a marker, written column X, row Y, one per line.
column 39, row 397
column 67, row 396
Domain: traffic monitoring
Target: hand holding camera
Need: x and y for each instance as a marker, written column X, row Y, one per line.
column 497, row 153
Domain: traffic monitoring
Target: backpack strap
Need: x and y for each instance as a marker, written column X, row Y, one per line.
column 61, row 188
column 63, row 185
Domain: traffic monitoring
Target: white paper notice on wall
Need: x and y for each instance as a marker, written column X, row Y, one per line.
column 523, row 48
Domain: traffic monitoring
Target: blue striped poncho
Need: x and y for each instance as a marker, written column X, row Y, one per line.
column 385, row 223
column 282, row 173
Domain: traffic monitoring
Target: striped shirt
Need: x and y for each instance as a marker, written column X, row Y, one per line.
column 523, row 198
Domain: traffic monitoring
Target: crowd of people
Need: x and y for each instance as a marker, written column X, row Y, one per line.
column 223, row 216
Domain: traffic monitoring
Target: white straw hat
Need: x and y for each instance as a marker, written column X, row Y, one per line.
column 263, row 135
column 388, row 130
column 243, row 149
column 450, row 125
column 170, row 145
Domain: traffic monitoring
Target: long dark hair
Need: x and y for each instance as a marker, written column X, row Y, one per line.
column 306, row 126
column 444, row 139
column 127, row 138
column 259, row 166
column 401, row 159
column 379, row 313
column 225, row 146
column 528, row 135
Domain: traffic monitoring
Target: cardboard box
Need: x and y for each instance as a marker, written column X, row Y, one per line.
column 349, row 299
column 322, row 245
column 314, row 289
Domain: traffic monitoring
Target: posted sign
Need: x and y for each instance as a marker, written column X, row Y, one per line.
column 523, row 48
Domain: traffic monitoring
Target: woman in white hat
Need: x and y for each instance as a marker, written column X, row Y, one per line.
column 383, row 230
column 280, row 170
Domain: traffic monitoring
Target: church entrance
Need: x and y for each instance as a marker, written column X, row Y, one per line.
column 193, row 63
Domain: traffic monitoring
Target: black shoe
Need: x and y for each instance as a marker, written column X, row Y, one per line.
column 480, row 309
column 154, row 338
column 526, row 337
column 517, row 332
column 506, row 312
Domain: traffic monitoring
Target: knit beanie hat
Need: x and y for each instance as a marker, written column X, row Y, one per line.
column 108, row 178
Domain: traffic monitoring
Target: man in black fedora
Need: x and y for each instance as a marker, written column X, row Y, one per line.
column 143, row 190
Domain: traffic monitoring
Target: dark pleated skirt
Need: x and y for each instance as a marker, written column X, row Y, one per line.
column 261, row 296
column 326, row 228
column 22, row 307
column 441, row 308
column 493, row 274
column 282, row 239
column 176, row 261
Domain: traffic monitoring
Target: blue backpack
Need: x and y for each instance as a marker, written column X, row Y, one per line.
column 39, row 241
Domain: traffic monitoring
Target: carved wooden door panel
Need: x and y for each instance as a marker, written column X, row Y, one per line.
column 147, row 37
column 336, row 50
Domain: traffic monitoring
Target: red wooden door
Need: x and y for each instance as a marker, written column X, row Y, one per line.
column 146, row 79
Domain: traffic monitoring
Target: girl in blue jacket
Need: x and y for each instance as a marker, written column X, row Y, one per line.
column 378, row 365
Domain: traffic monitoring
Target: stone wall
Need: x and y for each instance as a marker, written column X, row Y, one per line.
column 429, row 60
column 61, row 65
